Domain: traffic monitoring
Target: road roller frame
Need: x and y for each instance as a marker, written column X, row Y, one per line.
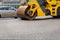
column 40, row 8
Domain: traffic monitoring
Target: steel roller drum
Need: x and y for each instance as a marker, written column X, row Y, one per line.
column 21, row 12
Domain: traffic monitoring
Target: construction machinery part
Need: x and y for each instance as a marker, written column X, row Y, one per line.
column 39, row 8
column 25, row 13
column 58, row 11
column 42, row 4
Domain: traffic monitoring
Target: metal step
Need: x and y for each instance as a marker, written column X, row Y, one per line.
column 44, row 17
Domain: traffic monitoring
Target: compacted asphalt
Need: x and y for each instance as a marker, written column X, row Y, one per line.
column 17, row 29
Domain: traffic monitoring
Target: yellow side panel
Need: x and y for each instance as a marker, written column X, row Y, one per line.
column 40, row 12
column 49, row 6
column 51, row 2
column 38, row 8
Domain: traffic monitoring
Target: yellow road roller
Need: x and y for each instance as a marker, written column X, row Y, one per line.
column 39, row 8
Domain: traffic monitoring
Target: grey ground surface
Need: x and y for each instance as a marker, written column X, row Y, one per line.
column 17, row 29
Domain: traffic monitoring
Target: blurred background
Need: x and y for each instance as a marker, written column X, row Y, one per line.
column 14, row 3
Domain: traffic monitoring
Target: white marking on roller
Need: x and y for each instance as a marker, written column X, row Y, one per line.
column 23, row 6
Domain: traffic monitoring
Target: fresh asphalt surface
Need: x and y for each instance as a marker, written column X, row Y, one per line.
column 17, row 29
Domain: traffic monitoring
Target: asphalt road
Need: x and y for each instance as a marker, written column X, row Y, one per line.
column 17, row 29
